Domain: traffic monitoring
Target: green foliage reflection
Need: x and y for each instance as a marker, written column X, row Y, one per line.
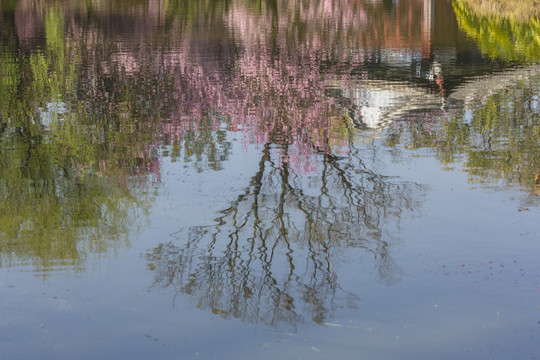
column 497, row 136
column 61, row 197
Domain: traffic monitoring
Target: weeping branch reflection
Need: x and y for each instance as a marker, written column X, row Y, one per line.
column 270, row 257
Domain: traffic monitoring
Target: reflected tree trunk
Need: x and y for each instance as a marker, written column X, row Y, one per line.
column 270, row 255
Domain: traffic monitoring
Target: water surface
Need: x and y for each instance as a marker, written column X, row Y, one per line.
column 238, row 179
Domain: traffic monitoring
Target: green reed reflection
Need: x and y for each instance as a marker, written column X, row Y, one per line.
column 499, row 36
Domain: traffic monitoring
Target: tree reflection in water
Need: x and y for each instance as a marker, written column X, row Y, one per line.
column 495, row 135
column 90, row 93
column 270, row 256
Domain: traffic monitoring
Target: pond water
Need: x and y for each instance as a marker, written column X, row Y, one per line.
column 347, row 179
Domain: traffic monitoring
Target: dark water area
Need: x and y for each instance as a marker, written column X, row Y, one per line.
column 268, row 179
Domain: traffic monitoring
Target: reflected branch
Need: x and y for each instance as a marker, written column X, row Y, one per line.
column 270, row 256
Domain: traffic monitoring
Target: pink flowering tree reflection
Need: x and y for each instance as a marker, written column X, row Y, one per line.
column 269, row 256
column 127, row 82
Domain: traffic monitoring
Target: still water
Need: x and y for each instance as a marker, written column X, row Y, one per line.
column 268, row 179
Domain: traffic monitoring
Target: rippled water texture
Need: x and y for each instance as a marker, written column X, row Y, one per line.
column 269, row 179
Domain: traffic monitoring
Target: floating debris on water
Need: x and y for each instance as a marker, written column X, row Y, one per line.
column 333, row 324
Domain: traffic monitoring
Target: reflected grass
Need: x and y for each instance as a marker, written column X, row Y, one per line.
column 501, row 36
column 521, row 11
